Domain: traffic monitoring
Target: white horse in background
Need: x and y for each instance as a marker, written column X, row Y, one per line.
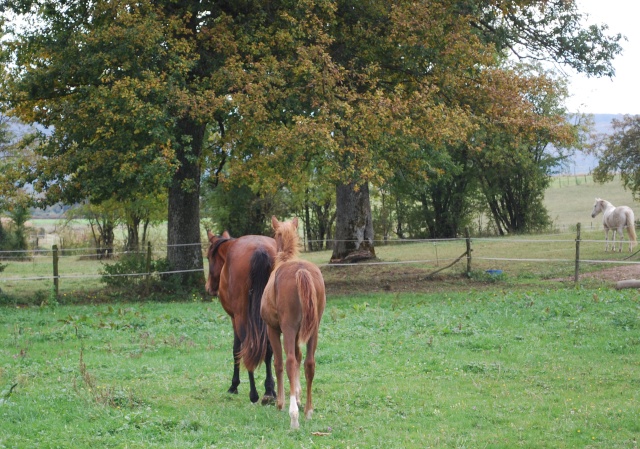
column 615, row 219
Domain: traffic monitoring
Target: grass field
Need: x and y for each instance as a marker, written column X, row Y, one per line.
column 470, row 369
column 462, row 360
column 570, row 199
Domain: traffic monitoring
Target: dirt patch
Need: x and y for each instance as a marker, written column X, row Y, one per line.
column 407, row 278
column 349, row 280
column 615, row 274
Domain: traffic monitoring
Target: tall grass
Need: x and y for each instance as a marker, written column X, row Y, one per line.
column 533, row 369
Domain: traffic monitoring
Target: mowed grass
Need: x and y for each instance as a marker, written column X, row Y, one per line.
column 491, row 368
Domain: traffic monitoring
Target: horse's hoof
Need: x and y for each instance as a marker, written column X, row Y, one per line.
column 268, row 399
column 232, row 390
column 254, row 397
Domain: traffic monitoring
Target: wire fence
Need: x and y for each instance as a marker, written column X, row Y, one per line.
column 81, row 268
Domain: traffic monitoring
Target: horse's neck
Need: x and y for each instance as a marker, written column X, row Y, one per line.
column 221, row 248
column 608, row 208
column 288, row 251
column 286, row 255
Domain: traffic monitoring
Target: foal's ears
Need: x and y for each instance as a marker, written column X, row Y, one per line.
column 210, row 235
column 226, row 235
column 275, row 223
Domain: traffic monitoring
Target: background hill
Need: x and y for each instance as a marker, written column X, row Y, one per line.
column 582, row 163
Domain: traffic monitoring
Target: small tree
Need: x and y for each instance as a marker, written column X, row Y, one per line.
column 19, row 213
column 103, row 220
column 619, row 152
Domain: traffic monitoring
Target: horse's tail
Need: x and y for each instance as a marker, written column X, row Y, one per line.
column 254, row 346
column 631, row 226
column 309, row 299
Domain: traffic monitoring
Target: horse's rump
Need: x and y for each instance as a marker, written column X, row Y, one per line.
column 254, row 345
column 298, row 288
column 631, row 224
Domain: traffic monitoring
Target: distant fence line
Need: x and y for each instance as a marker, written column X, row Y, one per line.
column 55, row 253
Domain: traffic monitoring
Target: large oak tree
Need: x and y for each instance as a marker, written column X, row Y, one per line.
column 133, row 89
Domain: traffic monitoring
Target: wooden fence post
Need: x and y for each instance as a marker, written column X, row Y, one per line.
column 576, row 275
column 148, row 266
column 56, row 277
column 468, row 238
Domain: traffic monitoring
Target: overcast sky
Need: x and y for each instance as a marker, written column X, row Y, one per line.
column 621, row 94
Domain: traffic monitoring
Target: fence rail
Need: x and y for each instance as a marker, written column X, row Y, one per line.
column 63, row 265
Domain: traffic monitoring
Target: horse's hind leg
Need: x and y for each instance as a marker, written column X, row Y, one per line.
column 253, row 391
column 269, row 384
column 299, row 360
column 235, row 380
column 293, row 373
column 309, row 373
column 620, row 239
column 274, row 339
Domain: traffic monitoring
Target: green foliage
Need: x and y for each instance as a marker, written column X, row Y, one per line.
column 132, row 93
column 14, row 238
column 240, row 211
column 130, row 271
column 619, row 154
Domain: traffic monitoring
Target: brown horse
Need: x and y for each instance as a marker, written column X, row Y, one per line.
column 292, row 305
column 238, row 272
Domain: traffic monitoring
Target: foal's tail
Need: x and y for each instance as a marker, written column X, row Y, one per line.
column 631, row 226
column 309, row 299
column 254, row 346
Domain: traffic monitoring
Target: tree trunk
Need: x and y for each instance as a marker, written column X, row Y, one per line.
column 108, row 238
column 354, row 228
column 133, row 234
column 307, row 222
column 184, row 252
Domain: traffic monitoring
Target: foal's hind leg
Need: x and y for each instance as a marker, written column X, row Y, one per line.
column 309, row 373
column 293, row 373
column 274, row 339
column 299, row 364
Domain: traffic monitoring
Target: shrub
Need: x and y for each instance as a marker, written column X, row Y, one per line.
column 130, row 270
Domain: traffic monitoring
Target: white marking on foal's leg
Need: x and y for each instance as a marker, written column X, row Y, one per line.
column 293, row 412
column 298, row 392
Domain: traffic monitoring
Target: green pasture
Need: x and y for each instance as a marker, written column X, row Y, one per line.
column 569, row 200
column 492, row 368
